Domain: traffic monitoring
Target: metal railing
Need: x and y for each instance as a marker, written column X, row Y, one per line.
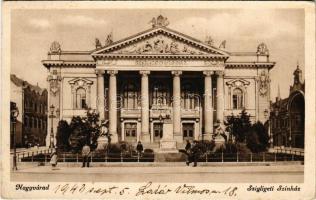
column 44, row 156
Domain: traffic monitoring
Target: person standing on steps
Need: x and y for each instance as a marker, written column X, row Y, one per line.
column 85, row 155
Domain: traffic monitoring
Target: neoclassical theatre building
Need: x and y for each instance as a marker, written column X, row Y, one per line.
column 159, row 85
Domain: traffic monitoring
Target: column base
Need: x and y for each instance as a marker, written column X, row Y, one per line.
column 206, row 136
column 145, row 138
column 168, row 146
column 102, row 142
column 114, row 138
column 178, row 137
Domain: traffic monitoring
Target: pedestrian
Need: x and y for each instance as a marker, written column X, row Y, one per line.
column 188, row 146
column 53, row 158
column 193, row 154
column 187, row 151
column 139, row 148
column 85, row 155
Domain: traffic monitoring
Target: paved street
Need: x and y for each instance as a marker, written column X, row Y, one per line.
column 218, row 173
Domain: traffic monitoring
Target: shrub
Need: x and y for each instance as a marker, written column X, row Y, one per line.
column 258, row 138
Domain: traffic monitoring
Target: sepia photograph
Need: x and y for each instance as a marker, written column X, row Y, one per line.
column 158, row 101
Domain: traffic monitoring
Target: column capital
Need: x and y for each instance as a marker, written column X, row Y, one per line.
column 112, row 72
column 99, row 72
column 176, row 73
column 220, row 73
column 144, row 72
column 208, row 72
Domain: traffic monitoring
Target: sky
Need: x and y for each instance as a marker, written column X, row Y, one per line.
column 282, row 30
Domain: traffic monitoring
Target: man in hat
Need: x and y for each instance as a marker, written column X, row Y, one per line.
column 194, row 154
column 85, row 155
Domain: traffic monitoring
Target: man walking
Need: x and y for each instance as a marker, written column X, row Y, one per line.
column 85, row 155
column 193, row 154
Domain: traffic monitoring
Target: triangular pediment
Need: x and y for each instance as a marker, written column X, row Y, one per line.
column 160, row 41
column 238, row 83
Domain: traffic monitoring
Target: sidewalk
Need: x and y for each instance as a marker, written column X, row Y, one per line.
column 227, row 174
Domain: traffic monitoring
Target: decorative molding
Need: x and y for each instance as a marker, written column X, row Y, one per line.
column 144, row 72
column 112, row 72
column 237, row 83
column 54, row 82
column 100, row 72
column 220, row 74
column 160, row 45
column 208, row 73
column 176, row 73
column 263, row 83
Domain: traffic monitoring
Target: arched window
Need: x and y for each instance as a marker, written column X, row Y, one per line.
column 81, row 101
column 238, row 100
column 189, row 96
column 160, row 96
column 130, row 96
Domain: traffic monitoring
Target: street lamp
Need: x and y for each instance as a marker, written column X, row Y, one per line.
column 14, row 114
column 52, row 116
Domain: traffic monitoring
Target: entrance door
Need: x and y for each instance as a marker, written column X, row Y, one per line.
column 130, row 132
column 188, row 131
column 158, row 131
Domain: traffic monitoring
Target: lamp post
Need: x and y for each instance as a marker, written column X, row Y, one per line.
column 52, row 116
column 14, row 114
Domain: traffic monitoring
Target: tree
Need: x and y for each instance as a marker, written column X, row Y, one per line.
column 84, row 130
column 239, row 126
column 63, row 133
column 258, row 138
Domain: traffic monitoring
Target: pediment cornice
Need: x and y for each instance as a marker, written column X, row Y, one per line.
column 160, row 41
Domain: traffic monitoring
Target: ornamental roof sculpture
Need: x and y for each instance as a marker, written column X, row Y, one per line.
column 159, row 22
column 55, row 48
column 262, row 49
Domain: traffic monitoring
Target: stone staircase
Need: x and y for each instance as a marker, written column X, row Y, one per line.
column 155, row 146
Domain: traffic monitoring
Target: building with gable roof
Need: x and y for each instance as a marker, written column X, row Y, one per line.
column 31, row 100
column 159, row 86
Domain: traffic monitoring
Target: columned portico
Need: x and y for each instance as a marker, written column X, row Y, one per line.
column 113, row 105
column 145, row 137
column 177, row 105
column 100, row 95
column 167, row 96
column 220, row 96
column 208, row 105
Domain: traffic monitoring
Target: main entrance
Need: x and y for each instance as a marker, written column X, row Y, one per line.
column 130, row 132
column 158, row 131
column 188, row 131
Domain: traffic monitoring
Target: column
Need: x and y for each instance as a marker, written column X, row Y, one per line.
column 113, row 106
column 100, row 93
column 145, row 137
column 220, row 97
column 208, row 106
column 176, row 104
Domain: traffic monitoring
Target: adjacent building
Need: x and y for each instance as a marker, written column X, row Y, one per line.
column 288, row 116
column 159, row 86
column 31, row 100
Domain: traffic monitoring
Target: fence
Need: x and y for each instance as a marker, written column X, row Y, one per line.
column 44, row 156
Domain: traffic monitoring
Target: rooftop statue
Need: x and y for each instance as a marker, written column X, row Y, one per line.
column 159, row 22
column 109, row 39
column 55, row 47
column 97, row 43
column 209, row 40
column 262, row 49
